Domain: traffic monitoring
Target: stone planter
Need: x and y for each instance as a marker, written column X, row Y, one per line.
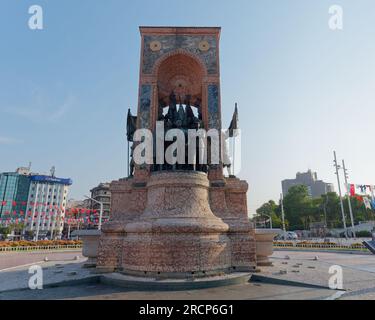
column 264, row 244
column 90, row 239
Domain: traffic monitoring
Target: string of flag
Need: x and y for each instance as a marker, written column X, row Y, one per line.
column 17, row 213
column 360, row 192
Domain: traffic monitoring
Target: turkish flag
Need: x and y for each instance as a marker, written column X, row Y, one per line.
column 352, row 190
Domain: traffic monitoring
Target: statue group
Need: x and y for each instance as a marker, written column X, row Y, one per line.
column 181, row 116
column 183, row 119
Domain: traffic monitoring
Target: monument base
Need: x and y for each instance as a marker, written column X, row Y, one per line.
column 156, row 283
column 166, row 228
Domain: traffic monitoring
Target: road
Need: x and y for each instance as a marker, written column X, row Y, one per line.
column 14, row 259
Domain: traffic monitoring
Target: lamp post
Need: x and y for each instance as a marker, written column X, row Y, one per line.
column 101, row 211
column 266, row 215
column 282, row 211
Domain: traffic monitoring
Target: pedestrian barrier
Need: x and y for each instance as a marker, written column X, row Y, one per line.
column 40, row 248
column 296, row 245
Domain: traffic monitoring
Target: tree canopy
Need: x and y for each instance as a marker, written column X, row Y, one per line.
column 301, row 210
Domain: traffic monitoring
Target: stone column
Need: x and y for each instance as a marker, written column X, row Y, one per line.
column 127, row 203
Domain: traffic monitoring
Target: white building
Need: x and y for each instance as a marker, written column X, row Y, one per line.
column 47, row 201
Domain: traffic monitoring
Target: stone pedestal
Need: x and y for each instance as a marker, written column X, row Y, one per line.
column 90, row 240
column 177, row 235
column 178, row 224
column 264, row 245
column 228, row 200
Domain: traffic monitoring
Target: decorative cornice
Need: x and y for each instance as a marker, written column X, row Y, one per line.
column 180, row 30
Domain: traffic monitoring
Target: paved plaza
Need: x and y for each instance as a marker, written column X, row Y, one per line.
column 290, row 278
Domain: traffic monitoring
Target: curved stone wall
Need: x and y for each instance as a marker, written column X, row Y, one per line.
column 178, row 234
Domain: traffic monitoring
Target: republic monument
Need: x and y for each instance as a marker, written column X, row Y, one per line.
column 182, row 220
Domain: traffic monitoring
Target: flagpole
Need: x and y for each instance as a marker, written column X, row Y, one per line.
column 372, row 193
column 340, row 194
column 348, row 195
column 128, row 158
column 234, row 143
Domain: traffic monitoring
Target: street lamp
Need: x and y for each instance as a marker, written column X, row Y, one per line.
column 101, row 211
column 266, row 215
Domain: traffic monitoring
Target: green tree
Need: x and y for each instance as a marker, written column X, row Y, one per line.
column 298, row 206
column 331, row 209
column 5, row 230
column 273, row 210
column 17, row 227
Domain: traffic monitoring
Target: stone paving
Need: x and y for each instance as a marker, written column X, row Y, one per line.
column 358, row 271
column 12, row 259
column 248, row 291
column 54, row 271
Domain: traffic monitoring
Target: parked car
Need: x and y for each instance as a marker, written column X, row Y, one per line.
column 289, row 235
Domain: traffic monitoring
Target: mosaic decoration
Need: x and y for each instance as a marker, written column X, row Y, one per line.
column 145, row 106
column 213, row 107
column 189, row 43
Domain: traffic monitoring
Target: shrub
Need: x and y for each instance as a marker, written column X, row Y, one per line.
column 363, row 234
column 41, row 243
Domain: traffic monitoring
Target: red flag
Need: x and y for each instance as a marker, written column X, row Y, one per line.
column 352, row 190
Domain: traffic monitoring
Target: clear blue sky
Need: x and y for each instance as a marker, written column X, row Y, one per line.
column 303, row 90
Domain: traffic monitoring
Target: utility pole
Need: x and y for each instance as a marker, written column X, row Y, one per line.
column 340, row 194
column 68, row 230
column 101, row 211
column 348, row 194
column 325, row 215
column 282, row 211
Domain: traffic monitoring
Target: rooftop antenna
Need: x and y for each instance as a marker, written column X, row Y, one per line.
column 53, row 170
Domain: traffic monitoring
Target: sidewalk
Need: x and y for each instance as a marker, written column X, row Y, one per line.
column 288, row 279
